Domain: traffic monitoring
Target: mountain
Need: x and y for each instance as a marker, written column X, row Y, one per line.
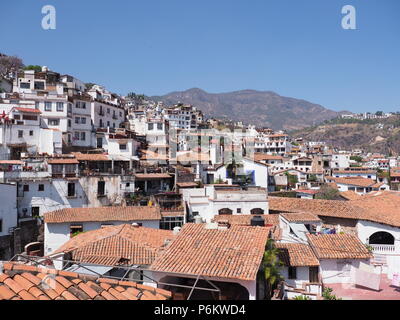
column 374, row 135
column 262, row 108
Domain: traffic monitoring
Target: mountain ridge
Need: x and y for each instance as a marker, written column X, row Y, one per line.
column 261, row 108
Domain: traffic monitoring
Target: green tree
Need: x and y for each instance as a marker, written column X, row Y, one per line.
column 327, row 294
column 271, row 267
column 327, row 193
column 356, row 158
column 89, row 85
column 36, row 67
column 312, row 178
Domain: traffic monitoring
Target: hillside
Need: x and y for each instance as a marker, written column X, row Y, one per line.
column 262, row 108
column 377, row 135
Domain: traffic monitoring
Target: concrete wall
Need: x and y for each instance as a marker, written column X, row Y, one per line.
column 339, row 271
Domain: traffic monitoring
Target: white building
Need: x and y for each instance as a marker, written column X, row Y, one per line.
column 62, row 224
column 214, row 200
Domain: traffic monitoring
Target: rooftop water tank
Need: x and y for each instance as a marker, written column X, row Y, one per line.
column 257, row 221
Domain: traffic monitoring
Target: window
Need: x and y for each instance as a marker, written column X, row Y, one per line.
column 159, row 126
column 128, row 184
column 26, row 187
column 83, row 105
column 69, row 107
column 76, row 135
column 83, row 120
column 292, row 273
column 31, row 132
column 60, row 106
column 20, row 133
column 75, row 229
column 150, row 126
column 169, row 223
column 25, row 85
column 122, row 147
column 71, row 189
column 83, row 136
column 120, row 113
column 238, row 210
column 76, row 119
column 78, row 105
column 47, row 106
column 101, row 188
column 39, row 85
column 108, row 123
column 29, row 117
column 54, row 122
column 17, row 117
column 35, row 211
column 69, row 123
column 108, row 110
column 41, row 187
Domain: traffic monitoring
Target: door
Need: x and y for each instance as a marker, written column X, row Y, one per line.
column 314, row 274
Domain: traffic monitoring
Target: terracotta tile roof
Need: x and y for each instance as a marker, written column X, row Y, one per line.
column 355, row 170
column 172, row 213
column 150, row 155
column 300, row 217
column 192, row 157
column 245, row 220
column 103, row 214
column 355, row 181
column 187, row 184
column 330, row 208
column 11, row 162
column 152, row 176
column 63, row 161
column 28, row 110
column 263, row 156
column 26, row 282
column 381, row 207
column 235, row 253
column 90, row 156
column 296, row 255
column 338, row 246
column 349, row 195
column 113, row 244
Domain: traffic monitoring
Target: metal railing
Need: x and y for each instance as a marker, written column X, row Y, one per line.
column 383, row 248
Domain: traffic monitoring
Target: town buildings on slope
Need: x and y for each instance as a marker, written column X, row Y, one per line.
column 179, row 205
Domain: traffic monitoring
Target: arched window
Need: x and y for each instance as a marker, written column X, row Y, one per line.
column 225, row 211
column 257, row 211
column 381, row 237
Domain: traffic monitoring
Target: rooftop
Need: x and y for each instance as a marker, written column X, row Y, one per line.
column 234, row 253
column 134, row 213
column 296, row 255
column 113, row 245
column 26, row 282
column 338, row 246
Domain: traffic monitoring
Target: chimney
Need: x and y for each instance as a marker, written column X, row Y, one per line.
column 223, row 225
column 257, row 221
column 176, row 230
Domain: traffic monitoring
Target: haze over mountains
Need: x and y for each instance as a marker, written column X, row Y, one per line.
column 262, row 108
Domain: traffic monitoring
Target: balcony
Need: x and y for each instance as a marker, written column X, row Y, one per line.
column 383, row 248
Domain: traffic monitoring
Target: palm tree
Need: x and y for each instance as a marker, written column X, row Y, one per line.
column 271, row 266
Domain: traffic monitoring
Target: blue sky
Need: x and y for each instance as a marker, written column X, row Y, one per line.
column 296, row 48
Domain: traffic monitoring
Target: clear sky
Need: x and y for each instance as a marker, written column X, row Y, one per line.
column 296, row 48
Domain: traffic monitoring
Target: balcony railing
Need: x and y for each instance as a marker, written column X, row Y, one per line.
column 383, row 248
